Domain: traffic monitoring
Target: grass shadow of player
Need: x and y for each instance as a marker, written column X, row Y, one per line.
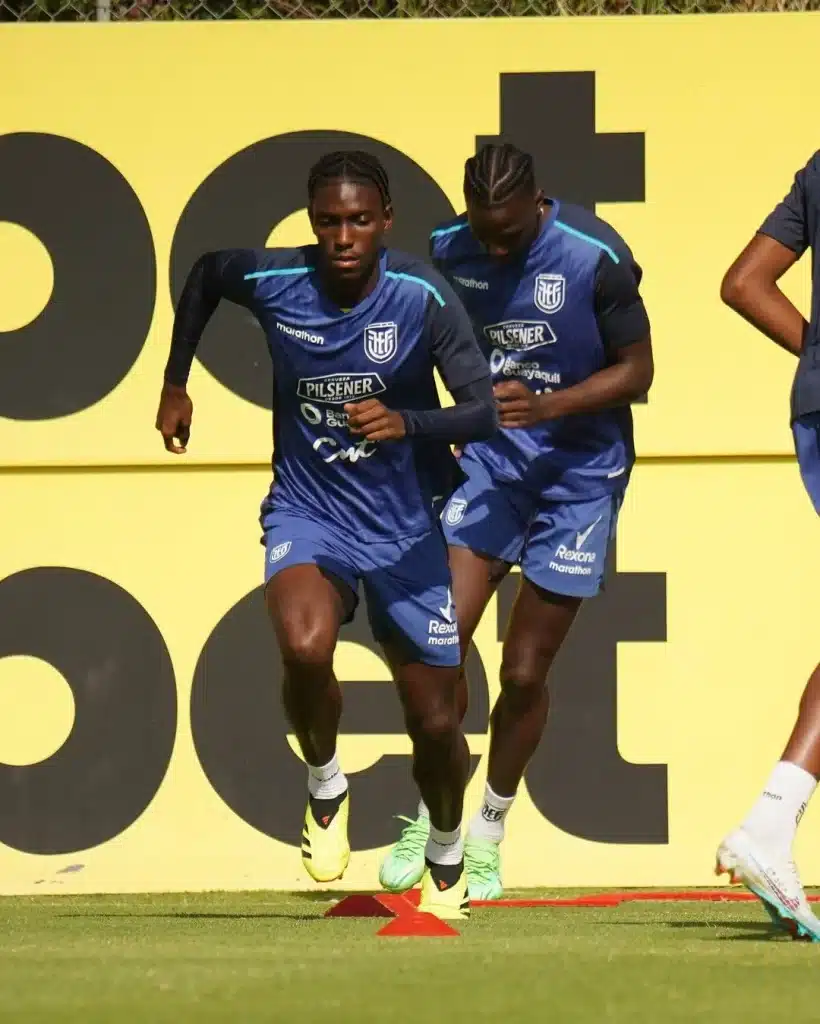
column 745, row 931
column 197, row 915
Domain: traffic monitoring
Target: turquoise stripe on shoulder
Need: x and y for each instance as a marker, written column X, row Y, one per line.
column 588, row 238
column 447, row 231
column 417, row 280
column 283, row 272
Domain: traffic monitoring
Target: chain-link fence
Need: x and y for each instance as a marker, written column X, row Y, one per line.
column 209, row 10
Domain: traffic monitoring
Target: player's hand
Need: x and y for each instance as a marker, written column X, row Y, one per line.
column 517, row 405
column 174, row 418
column 374, row 422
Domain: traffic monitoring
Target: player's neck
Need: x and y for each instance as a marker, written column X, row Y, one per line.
column 347, row 294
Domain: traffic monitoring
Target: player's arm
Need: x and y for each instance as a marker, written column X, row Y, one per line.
column 750, row 285
column 466, row 375
column 624, row 328
column 464, row 370
column 214, row 276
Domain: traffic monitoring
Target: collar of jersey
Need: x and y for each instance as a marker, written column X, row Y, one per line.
column 546, row 226
column 366, row 303
column 549, row 220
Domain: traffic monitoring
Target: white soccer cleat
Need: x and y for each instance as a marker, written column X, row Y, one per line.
column 773, row 878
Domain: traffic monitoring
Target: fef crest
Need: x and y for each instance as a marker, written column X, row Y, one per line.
column 381, row 341
column 455, row 511
column 550, row 292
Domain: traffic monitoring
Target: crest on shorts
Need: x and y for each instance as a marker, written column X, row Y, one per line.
column 550, row 292
column 455, row 511
column 381, row 341
column 279, row 552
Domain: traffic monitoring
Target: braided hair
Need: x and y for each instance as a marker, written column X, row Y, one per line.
column 349, row 165
column 496, row 172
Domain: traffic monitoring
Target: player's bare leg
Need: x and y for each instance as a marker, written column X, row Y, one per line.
column 539, row 623
column 307, row 610
column 803, row 748
column 441, row 761
column 441, row 757
column 475, row 578
column 759, row 852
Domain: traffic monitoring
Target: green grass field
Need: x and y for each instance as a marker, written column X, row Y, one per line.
column 245, row 957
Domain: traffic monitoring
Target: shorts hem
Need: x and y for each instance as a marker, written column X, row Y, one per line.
column 352, row 586
column 455, row 543
column 565, row 592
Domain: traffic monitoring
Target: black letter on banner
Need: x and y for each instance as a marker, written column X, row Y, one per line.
column 577, row 778
column 240, row 731
column 551, row 114
column 113, row 657
column 243, row 200
column 94, row 326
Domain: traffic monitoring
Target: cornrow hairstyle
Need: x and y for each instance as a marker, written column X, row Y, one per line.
column 349, row 165
column 496, row 172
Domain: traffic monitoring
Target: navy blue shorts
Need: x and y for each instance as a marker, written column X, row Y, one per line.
column 406, row 582
column 560, row 545
column 806, row 433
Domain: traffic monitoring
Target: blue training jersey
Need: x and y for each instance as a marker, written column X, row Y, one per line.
column 551, row 319
column 386, row 347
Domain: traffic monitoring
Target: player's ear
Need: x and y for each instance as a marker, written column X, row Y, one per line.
column 388, row 217
column 540, row 198
column 310, row 218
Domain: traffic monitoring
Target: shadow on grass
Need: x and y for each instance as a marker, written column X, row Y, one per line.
column 325, row 898
column 745, row 931
column 194, row 915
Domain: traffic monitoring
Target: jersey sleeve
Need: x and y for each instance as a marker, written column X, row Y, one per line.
column 619, row 310
column 788, row 223
column 434, row 257
column 472, row 418
column 227, row 274
column 449, row 330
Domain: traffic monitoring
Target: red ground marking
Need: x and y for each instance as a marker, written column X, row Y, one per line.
column 415, row 924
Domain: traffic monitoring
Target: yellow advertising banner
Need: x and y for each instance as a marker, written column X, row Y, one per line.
column 142, row 744
column 125, row 152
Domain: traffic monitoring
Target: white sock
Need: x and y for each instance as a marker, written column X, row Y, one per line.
column 326, row 781
column 444, row 847
column 776, row 814
column 488, row 823
column 423, row 812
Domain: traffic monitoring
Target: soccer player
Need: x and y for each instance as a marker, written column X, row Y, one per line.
column 554, row 293
column 361, row 451
column 758, row 853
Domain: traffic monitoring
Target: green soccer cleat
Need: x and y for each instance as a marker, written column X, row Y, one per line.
column 403, row 866
column 482, row 859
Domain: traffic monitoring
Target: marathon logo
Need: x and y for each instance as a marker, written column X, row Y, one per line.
column 472, row 282
column 338, row 388
column 572, row 562
column 442, row 634
column 520, row 335
column 297, row 332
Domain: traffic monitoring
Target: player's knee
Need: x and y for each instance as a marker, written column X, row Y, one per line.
column 308, row 646
column 524, row 676
column 433, row 724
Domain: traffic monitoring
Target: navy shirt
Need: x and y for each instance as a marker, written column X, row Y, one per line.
column 385, row 347
column 550, row 320
column 795, row 223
